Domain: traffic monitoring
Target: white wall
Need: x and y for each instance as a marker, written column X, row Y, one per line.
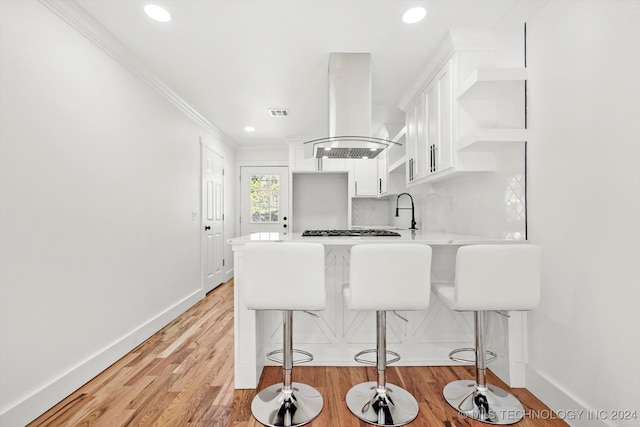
column 320, row 201
column 584, row 204
column 255, row 155
column 99, row 175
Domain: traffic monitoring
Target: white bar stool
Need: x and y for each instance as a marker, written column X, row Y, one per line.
column 490, row 277
column 386, row 277
column 285, row 276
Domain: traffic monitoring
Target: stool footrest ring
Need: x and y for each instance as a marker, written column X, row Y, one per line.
column 359, row 359
column 492, row 356
column 271, row 357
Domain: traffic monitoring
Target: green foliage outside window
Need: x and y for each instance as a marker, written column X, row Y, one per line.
column 265, row 198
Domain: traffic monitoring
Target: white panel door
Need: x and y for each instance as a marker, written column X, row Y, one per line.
column 212, row 219
column 264, row 204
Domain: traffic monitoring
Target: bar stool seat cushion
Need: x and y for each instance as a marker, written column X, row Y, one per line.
column 283, row 276
column 494, row 277
column 380, row 282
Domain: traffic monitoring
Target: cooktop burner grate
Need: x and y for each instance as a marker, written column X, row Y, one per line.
column 357, row 233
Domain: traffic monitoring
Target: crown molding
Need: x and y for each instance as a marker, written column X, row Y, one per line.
column 74, row 15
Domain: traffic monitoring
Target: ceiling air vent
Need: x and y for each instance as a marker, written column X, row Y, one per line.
column 279, row 112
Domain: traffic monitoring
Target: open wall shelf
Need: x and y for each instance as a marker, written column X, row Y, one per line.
column 491, row 139
column 486, row 79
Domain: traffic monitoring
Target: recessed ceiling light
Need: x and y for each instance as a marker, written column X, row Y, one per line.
column 413, row 15
column 157, row 13
column 249, row 129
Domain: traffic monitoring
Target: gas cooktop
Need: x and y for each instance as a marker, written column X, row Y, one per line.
column 357, row 233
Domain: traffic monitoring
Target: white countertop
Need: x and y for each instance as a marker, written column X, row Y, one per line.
column 417, row 236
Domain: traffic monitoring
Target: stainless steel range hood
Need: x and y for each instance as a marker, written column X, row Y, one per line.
column 349, row 110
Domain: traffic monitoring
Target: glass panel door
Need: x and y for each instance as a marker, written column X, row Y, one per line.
column 264, row 199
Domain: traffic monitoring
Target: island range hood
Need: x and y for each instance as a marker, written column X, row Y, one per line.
column 349, row 111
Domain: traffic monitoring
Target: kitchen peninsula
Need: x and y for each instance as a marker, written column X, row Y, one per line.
column 336, row 334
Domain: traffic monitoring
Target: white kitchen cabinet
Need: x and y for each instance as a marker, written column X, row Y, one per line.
column 298, row 161
column 429, row 122
column 383, row 172
column 417, row 146
column 391, row 160
column 448, row 120
column 440, row 121
column 365, row 177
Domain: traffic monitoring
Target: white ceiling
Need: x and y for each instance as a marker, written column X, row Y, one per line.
column 232, row 60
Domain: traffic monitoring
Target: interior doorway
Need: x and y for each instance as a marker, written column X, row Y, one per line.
column 212, row 219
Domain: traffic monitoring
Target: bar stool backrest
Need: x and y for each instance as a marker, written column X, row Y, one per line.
column 498, row 277
column 283, row 276
column 390, row 276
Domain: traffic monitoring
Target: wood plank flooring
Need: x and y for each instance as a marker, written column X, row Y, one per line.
column 183, row 376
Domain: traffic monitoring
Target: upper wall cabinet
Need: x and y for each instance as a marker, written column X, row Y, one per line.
column 365, row 177
column 391, row 161
column 429, row 128
column 461, row 110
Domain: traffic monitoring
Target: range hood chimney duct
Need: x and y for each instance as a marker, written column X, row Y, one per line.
column 349, row 110
column 349, row 94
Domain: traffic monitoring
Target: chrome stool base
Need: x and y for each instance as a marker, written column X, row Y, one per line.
column 274, row 407
column 492, row 406
column 389, row 406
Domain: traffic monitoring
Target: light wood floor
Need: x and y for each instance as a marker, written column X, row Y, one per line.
column 183, row 376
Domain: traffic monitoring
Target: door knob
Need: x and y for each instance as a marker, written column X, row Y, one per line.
column 206, row 227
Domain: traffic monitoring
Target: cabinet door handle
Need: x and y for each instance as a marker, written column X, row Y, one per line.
column 410, row 169
column 380, row 191
column 435, row 158
column 431, row 158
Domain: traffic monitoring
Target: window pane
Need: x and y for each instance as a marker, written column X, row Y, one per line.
column 265, row 198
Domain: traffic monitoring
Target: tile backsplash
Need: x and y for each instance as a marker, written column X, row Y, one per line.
column 488, row 204
column 370, row 211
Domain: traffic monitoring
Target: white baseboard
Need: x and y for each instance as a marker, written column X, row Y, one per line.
column 562, row 403
column 228, row 275
column 33, row 406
